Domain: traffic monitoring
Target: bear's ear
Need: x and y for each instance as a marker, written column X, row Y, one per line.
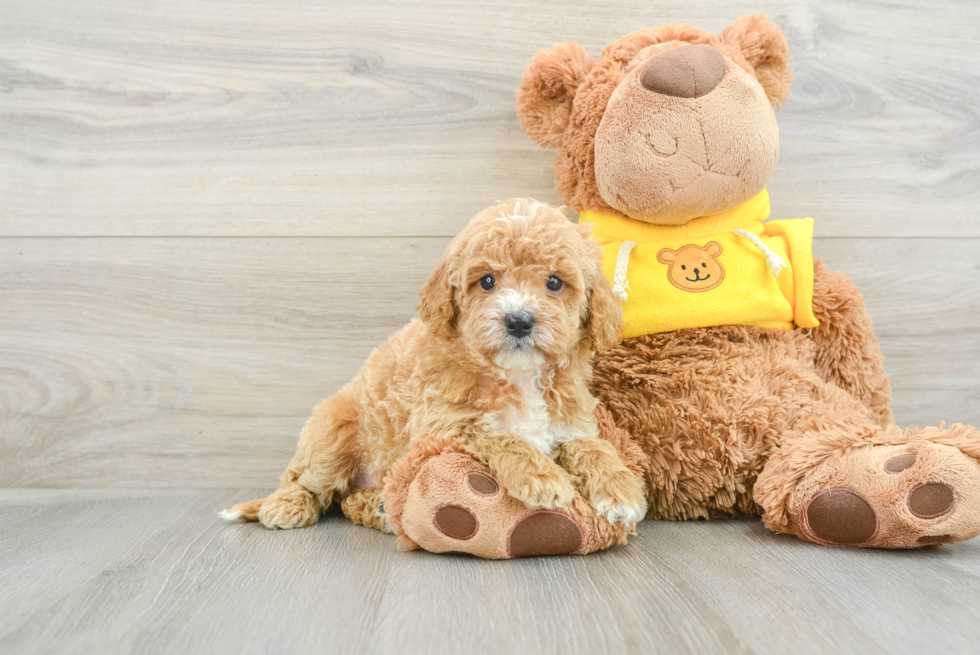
column 666, row 256
column 544, row 99
column 764, row 47
column 713, row 248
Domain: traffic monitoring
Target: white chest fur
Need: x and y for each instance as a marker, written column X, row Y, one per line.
column 531, row 421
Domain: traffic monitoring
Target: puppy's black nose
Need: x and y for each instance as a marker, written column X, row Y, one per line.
column 519, row 324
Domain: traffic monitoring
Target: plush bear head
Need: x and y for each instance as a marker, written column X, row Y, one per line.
column 669, row 124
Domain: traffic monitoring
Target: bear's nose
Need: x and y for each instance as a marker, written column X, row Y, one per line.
column 686, row 72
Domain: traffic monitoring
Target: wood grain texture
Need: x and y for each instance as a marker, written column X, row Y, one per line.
column 302, row 117
column 175, row 362
column 212, row 210
column 156, row 572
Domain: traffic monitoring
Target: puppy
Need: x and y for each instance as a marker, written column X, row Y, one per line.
column 501, row 358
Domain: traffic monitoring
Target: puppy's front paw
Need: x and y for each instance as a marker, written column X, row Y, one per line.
column 619, row 499
column 287, row 509
column 540, row 488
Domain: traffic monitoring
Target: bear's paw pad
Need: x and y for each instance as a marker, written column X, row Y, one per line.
column 456, row 522
column 544, row 532
column 841, row 516
column 931, row 500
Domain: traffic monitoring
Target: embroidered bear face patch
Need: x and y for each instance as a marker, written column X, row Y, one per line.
column 693, row 268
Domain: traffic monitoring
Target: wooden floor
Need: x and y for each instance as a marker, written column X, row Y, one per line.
column 212, row 210
column 155, row 571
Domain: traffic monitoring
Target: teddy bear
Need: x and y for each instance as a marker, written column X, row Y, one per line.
column 749, row 381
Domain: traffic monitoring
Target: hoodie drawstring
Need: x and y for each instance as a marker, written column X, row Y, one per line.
column 620, row 285
column 773, row 261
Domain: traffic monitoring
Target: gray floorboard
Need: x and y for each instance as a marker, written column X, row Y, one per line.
column 157, row 572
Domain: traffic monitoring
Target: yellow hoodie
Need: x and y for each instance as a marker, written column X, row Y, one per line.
column 726, row 269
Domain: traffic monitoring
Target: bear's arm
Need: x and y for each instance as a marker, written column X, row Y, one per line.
column 847, row 350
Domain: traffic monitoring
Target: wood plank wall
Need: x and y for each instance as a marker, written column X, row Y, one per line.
column 212, row 210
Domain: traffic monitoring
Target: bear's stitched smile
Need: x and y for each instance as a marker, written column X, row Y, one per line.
column 698, row 278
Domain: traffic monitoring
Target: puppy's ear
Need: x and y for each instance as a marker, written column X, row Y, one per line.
column 585, row 230
column 544, row 99
column 605, row 314
column 437, row 306
column 764, row 48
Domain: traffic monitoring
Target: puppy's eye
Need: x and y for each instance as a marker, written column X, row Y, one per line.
column 487, row 282
column 554, row 284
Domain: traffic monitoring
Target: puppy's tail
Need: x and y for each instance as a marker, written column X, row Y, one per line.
column 243, row 511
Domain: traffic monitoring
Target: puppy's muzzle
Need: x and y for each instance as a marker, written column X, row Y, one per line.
column 519, row 324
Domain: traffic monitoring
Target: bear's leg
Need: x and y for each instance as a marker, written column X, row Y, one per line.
column 847, row 350
column 837, row 478
column 443, row 497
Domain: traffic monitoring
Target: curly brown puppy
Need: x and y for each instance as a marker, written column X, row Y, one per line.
column 502, row 358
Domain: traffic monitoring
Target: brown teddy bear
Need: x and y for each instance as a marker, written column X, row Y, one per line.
column 750, row 381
